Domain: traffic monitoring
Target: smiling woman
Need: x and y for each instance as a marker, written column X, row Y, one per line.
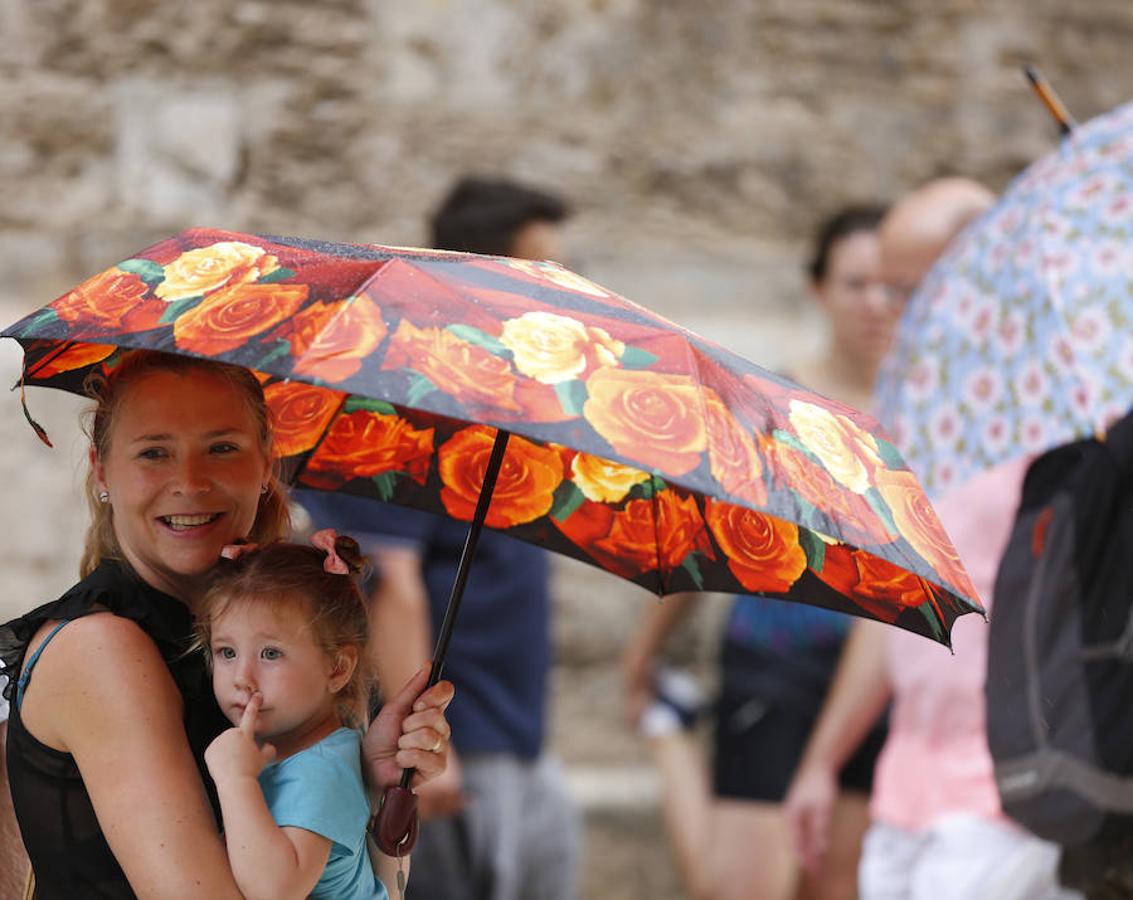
column 106, row 742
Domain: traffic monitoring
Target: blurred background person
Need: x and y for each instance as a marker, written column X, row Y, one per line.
column 499, row 824
column 937, row 828
column 776, row 659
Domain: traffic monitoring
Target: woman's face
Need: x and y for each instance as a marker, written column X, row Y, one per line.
column 862, row 315
column 184, row 471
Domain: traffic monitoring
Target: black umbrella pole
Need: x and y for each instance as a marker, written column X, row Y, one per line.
column 449, row 621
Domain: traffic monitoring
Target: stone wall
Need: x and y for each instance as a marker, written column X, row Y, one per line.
column 700, row 142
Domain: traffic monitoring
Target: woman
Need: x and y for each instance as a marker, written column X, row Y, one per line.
column 110, row 716
column 776, row 658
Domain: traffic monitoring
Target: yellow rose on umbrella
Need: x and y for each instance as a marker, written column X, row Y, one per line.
column 552, row 348
column 205, row 269
column 601, row 480
column 848, row 453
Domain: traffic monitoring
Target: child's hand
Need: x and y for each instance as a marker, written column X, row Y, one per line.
column 234, row 753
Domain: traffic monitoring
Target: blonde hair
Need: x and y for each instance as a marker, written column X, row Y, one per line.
column 286, row 574
column 273, row 520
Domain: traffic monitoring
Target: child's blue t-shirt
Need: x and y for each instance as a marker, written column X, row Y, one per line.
column 320, row 790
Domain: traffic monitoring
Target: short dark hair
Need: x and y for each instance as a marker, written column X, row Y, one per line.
column 484, row 215
column 843, row 223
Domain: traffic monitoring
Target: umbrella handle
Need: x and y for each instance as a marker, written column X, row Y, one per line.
column 495, row 461
column 394, row 828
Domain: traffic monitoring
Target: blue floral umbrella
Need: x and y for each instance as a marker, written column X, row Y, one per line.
column 1021, row 337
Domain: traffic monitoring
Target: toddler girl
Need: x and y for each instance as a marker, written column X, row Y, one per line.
column 284, row 627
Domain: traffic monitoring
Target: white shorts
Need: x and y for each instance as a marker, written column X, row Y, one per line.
column 960, row 857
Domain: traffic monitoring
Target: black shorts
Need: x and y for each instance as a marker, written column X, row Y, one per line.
column 758, row 745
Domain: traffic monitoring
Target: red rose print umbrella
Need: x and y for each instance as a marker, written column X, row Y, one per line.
column 631, row 443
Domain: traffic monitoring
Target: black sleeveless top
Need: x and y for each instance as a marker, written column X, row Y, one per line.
column 68, row 851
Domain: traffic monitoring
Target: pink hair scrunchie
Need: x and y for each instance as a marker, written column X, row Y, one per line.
column 325, row 541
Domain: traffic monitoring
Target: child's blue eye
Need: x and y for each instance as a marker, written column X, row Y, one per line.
column 153, row 453
column 224, row 653
column 225, row 447
column 271, row 653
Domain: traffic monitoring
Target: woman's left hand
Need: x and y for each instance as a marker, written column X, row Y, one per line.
column 410, row 732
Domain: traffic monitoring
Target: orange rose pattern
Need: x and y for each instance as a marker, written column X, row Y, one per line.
column 111, row 301
column 363, row 444
column 525, row 487
column 467, row 372
column 636, row 445
column 732, row 456
column 858, row 522
column 330, row 340
column 228, row 317
column 921, row 528
column 763, row 552
column 71, row 358
column 651, row 417
column 299, row 414
column 877, row 586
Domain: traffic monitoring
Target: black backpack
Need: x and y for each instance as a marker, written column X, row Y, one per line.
column 1060, row 654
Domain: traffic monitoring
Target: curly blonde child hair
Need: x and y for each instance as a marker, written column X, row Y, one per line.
column 283, row 574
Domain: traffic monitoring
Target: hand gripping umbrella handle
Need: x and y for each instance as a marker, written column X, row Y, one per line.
column 394, row 828
column 395, row 825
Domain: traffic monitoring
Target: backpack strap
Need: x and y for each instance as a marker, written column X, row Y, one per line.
column 1119, row 441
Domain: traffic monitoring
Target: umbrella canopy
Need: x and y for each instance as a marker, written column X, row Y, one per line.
column 636, row 445
column 1019, row 339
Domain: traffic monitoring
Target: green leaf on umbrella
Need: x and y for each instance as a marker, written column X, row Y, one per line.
column 636, row 358
column 146, row 269
column 174, row 309
column 278, row 275
column 355, row 403
column 474, row 335
column 889, row 454
column 572, row 394
column 648, row 489
column 814, row 547
column 567, row 499
column 692, row 565
column 878, row 505
column 43, row 317
column 419, row 387
column 785, row 437
column 386, row 483
column 282, row 350
column 926, row 609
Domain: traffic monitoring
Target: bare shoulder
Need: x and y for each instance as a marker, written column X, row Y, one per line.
column 98, row 667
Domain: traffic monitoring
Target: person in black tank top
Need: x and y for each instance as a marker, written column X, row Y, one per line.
column 109, row 716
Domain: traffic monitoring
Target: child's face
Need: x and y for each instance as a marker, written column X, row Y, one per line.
column 266, row 646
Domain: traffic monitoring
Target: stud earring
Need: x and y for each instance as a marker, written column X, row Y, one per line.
column 103, row 496
column 264, row 489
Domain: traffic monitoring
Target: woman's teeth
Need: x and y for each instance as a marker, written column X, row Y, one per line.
column 180, row 523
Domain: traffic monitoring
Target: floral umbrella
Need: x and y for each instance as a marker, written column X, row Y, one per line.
column 635, row 445
column 1020, row 340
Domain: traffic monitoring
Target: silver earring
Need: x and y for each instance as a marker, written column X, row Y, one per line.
column 103, row 496
column 264, row 489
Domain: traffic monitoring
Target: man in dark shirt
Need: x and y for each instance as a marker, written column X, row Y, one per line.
column 498, row 824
